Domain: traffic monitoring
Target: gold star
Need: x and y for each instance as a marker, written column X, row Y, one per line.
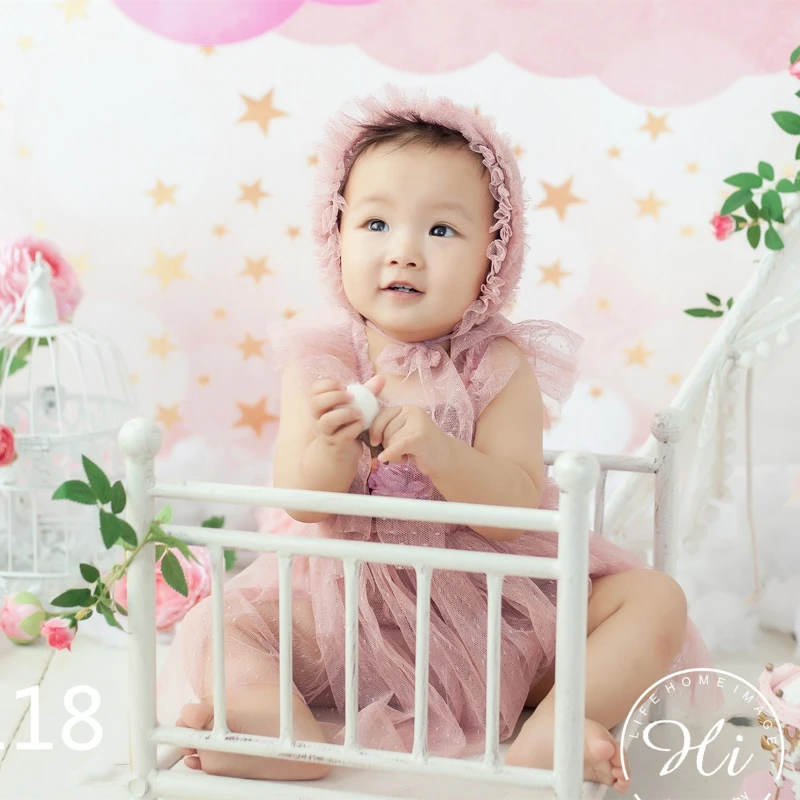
column 167, row 415
column 603, row 304
column 80, row 264
column 313, row 160
column 208, row 51
column 674, row 378
column 253, row 194
column 162, row 194
column 254, row 416
column 203, row 380
column 23, row 152
column 293, row 232
column 251, row 347
column 553, row 274
column 687, row 230
column 261, row 111
column 638, row 355
column 656, row 125
column 596, row 391
column 559, row 197
column 134, row 378
column 220, row 313
column 220, row 230
column 40, row 226
column 614, row 152
column 74, row 9
column 692, row 167
column 256, row 268
column 289, row 313
column 650, row 205
column 168, row 269
column 160, row 346
column 25, row 43
column 518, row 150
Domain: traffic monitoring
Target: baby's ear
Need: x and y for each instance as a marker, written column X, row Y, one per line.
column 376, row 384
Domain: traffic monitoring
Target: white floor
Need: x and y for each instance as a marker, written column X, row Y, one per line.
column 67, row 774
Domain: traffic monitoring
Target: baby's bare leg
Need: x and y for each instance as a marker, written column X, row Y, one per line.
column 637, row 625
column 254, row 709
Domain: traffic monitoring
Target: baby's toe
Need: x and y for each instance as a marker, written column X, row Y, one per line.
column 197, row 715
column 185, row 751
column 193, row 762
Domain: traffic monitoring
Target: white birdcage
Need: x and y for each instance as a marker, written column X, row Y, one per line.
column 65, row 393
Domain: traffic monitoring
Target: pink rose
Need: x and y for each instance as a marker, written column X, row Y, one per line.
column 14, row 257
column 8, row 452
column 59, row 633
column 723, row 226
column 21, row 617
column 795, row 69
column 172, row 606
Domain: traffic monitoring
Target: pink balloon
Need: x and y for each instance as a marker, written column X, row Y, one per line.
column 211, row 22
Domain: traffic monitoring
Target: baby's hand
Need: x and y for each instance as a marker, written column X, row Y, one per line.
column 339, row 424
column 409, row 435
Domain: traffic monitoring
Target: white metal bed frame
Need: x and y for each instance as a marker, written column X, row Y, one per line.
column 577, row 475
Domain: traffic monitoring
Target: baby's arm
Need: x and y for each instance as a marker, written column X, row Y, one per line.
column 505, row 465
column 306, row 460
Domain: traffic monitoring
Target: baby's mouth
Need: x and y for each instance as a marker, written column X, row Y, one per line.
column 402, row 288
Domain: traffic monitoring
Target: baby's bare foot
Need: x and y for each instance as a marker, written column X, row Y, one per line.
column 201, row 717
column 533, row 747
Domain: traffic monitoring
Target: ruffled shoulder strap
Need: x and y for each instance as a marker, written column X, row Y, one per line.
column 551, row 349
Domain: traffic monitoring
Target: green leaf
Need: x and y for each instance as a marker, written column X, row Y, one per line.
column 788, row 121
column 160, row 550
column 173, row 541
column 772, row 203
column 213, row 522
column 118, row 497
column 773, row 240
column 797, row 152
column 230, row 559
column 109, row 617
column 97, row 480
column 795, row 55
column 754, row 235
column 77, row 491
column 715, row 301
column 784, row 185
column 736, row 200
column 173, row 574
column 752, row 209
column 112, row 529
column 729, row 303
column 703, row 312
column 72, row 598
column 89, row 572
column 164, row 515
column 766, row 171
column 745, row 180
column 121, row 609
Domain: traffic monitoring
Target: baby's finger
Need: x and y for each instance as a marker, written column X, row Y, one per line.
column 332, row 421
column 394, row 453
column 376, row 384
column 327, row 401
column 325, row 386
column 377, row 430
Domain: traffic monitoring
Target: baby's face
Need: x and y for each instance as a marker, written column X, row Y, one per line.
column 421, row 218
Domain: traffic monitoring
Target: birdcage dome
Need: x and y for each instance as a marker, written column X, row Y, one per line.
column 65, row 393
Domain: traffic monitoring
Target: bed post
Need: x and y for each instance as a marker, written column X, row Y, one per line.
column 140, row 440
column 667, row 428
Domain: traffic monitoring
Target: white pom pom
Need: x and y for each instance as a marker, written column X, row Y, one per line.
column 782, row 339
column 365, row 402
column 763, row 349
column 746, row 360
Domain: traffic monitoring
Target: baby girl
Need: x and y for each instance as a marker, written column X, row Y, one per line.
column 421, row 228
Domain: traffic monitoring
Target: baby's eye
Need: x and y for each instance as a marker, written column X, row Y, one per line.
column 441, row 231
column 377, row 225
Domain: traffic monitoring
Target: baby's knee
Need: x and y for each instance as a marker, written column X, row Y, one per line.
column 669, row 610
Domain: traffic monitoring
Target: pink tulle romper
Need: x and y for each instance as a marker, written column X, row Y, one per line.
column 454, row 388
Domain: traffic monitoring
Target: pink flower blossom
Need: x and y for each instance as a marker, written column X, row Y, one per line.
column 172, row 606
column 723, row 226
column 795, row 69
column 14, row 258
column 8, row 452
column 59, row 633
column 21, row 617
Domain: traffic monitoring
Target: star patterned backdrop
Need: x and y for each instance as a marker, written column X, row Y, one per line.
column 172, row 157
